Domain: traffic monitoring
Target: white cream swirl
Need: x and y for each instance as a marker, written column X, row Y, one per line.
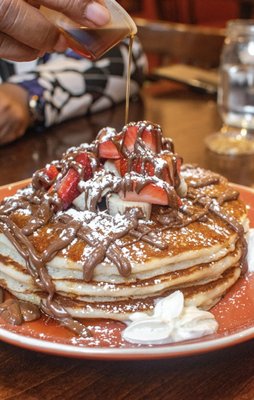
column 171, row 321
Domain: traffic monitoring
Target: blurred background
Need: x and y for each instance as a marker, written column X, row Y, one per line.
column 201, row 12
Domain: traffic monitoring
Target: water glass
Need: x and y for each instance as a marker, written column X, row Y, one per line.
column 236, row 91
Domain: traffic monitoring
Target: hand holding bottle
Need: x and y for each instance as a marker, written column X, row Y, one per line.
column 26, row 34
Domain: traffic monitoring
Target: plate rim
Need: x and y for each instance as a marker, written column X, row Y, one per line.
column 152, row 352
column 120, row 353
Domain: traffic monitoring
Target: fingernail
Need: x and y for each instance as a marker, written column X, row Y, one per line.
column 97, row 13
column 61, row 45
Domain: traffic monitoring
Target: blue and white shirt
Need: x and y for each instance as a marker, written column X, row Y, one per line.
column 70, row 85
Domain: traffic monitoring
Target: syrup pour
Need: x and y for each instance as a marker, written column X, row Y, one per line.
column 128, row 81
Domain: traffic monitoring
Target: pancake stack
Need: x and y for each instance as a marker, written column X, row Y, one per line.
column 63, row 249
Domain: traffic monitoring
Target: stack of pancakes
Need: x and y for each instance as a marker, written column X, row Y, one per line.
column 204, row 253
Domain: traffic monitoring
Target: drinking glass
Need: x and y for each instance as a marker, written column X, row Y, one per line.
column 94, row 42
column 235, row 97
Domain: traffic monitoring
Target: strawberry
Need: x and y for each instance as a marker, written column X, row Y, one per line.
column 149, row 167
column 122, row 166
column 151, row 193
column 51, row 171
column 108, row 150
column 105, row 134
column 108, row 139
column 149, row 137
column 130, row 137
column 110, row 142
column 84, row 160
column 45, row 177
column 68, row 187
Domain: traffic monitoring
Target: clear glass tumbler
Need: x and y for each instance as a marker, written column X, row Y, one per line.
column 236, row 91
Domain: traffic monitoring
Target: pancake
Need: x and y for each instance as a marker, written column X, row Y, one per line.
column 91, row 264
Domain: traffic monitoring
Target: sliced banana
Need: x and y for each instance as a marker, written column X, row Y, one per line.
column 109, row 166
column 79, row 202
column 182, row 188
column 116, row 205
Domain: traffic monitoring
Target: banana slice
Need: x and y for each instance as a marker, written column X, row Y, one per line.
column 116, row 205
column 79, row 202
column 182, row 188
column 109, row 166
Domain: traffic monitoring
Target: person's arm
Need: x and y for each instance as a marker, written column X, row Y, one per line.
column 26, row 34
column 14, row 112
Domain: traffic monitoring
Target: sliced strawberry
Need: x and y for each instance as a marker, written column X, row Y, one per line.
column 105, row 134
column 84, row 160
column 149, row 167
column 130, row 137
column 109, row 143
column 151, row 193
column 108, row 150
column 122, row 166
column 45, row 177
column 51, row 171
column 68, row 188
column 149, row 137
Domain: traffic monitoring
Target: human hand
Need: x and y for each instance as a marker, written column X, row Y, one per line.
column 14, row 112
column 26, row 34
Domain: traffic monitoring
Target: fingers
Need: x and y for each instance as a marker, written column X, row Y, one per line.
column 33, row 3
column 81, row 11
column 25, row 32
column 14, row 114
column 9, row 132
column 11, row 129
column 26, row 25
column 14, row 50
column 10, row 137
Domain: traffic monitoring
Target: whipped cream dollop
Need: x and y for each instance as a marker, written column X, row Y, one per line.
column 250, row 254
column 170, row 322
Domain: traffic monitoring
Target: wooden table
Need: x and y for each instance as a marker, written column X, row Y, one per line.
column 222, row 375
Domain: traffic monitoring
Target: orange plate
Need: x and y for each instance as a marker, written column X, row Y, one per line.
column 234, row 314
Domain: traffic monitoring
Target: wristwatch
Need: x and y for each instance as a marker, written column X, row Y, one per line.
column 36, row 109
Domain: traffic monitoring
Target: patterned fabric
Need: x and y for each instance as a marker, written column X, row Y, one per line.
column 69, row 85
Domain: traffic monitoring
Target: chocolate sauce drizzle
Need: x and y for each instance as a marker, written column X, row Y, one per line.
column 43, row 203
column 15, row 312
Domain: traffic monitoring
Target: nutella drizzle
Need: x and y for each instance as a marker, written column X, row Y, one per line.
column 15, row 312
column 45, row 205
